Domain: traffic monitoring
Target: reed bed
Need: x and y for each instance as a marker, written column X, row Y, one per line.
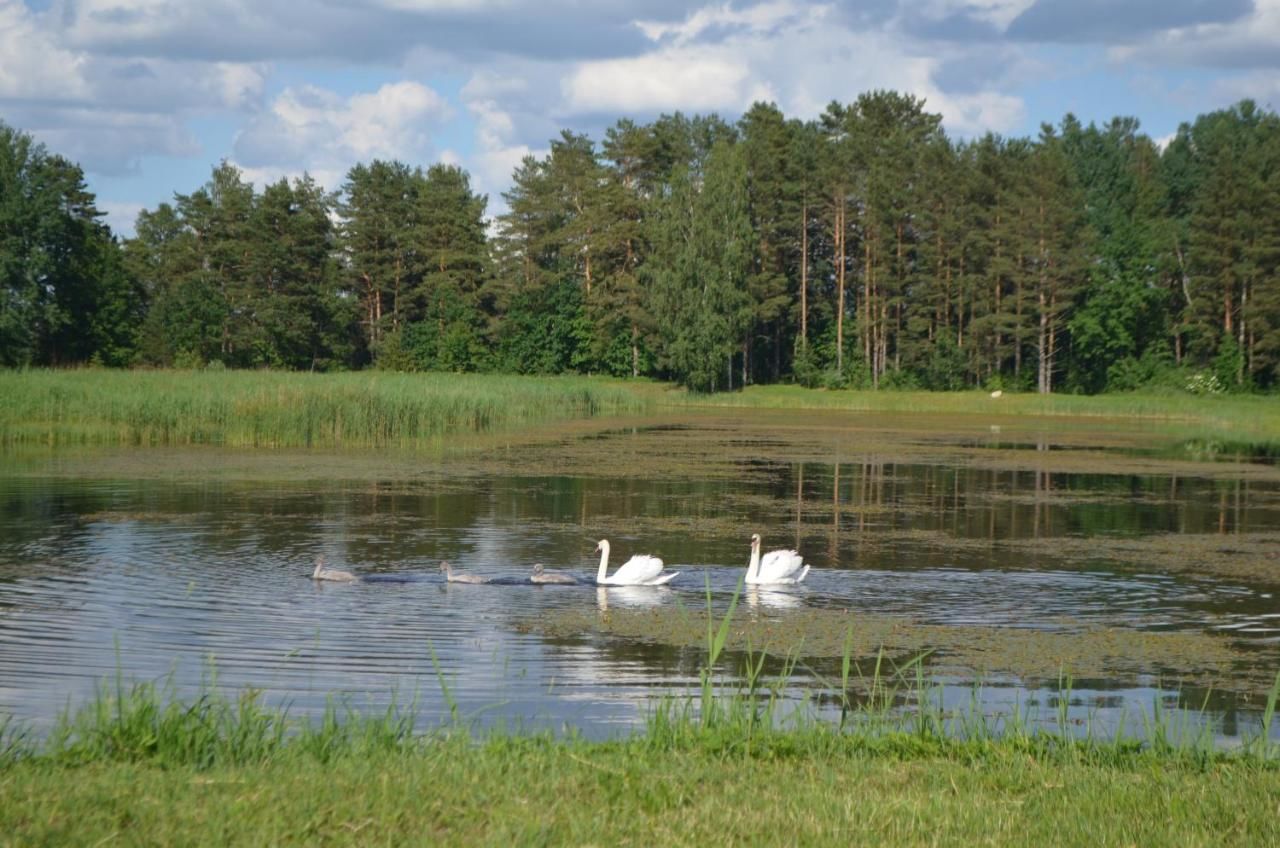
column 377, row 409
column 277, row 409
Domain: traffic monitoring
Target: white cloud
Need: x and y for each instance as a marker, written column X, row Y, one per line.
column 323, row 133
column 1253, row 41
column 497, row 154
column 759, row 18
column 974, row 114
column 800, row 57
column 472, row 6
column 32, row 63
column 698, row 79
column 998, row 13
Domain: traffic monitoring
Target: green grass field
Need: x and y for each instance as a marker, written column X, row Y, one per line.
column 376, row 409
column 137, row 766
column 512, row 791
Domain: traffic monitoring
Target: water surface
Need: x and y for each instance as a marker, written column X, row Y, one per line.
column 1010, row 553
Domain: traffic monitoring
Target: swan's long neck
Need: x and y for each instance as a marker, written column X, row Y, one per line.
column 604, row 561
column 753, row 567
column 319, row 565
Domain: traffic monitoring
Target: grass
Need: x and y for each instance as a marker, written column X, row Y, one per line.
column 137, row 766
column 519, row 791
column 278, row 409
column 1250, row 417
column 376, row 409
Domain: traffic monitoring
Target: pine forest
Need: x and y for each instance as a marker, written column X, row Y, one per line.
column 863, row 249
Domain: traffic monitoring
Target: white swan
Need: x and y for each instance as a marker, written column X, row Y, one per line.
column 541, row 575
column 640, row 570
column 780, row 566
column 335, row 574
column 450, row 577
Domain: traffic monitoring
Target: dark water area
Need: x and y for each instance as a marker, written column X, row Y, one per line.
column 1008, row 557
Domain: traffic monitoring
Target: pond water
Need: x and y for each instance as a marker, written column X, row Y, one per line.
column 1007, row 552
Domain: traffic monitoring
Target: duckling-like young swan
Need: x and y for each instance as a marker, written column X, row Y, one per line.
column 447, row 571
column 335, row 574
column 541, row 575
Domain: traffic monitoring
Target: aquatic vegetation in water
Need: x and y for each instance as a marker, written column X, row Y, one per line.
column 1030, row 654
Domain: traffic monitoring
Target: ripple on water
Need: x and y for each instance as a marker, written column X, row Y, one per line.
column 183, row 582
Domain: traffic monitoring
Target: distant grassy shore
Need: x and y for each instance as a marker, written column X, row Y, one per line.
column 374, row 409
column 1250, row 416
column 135, row 767
column 283, row 409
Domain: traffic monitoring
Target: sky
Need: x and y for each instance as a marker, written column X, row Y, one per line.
column 149, row 95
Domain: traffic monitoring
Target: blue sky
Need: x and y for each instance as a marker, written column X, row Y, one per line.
column 148, row 95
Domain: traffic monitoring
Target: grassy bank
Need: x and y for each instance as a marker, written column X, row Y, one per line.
column 535, row 791
column 141, row 768
column 139, row 765
column 374, row 409
column 277, row 409
column 1248, row 416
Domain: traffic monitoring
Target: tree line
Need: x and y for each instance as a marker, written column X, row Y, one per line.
column 864, row 248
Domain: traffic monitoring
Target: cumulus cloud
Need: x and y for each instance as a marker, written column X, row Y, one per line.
column 374, row 31
column 693, row 79
column 497, row 152
column 1094, row 21
column 319, row 131
column 800, row 56
column 108, row 111
column 34, row 65
column 757, row 19
column 112, row 82
column 1250, row 41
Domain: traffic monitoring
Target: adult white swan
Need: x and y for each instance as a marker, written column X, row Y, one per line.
column 335, row 574
column 640, row 570
column 780, row 566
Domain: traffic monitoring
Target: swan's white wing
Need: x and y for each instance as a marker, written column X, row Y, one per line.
column 780, row 567
column 641, row 568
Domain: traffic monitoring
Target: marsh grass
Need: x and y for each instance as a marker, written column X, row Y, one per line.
column 1215, row 425
column 276, row 409
column 59, row 408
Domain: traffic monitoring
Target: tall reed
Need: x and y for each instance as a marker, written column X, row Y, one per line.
column 276, row 409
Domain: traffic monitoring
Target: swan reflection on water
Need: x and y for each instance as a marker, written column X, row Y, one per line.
column 630, row 597
column 767, row 599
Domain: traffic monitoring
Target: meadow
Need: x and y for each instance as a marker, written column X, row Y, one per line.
column 378, row 409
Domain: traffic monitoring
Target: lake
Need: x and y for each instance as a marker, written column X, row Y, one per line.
column 1102, row 566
